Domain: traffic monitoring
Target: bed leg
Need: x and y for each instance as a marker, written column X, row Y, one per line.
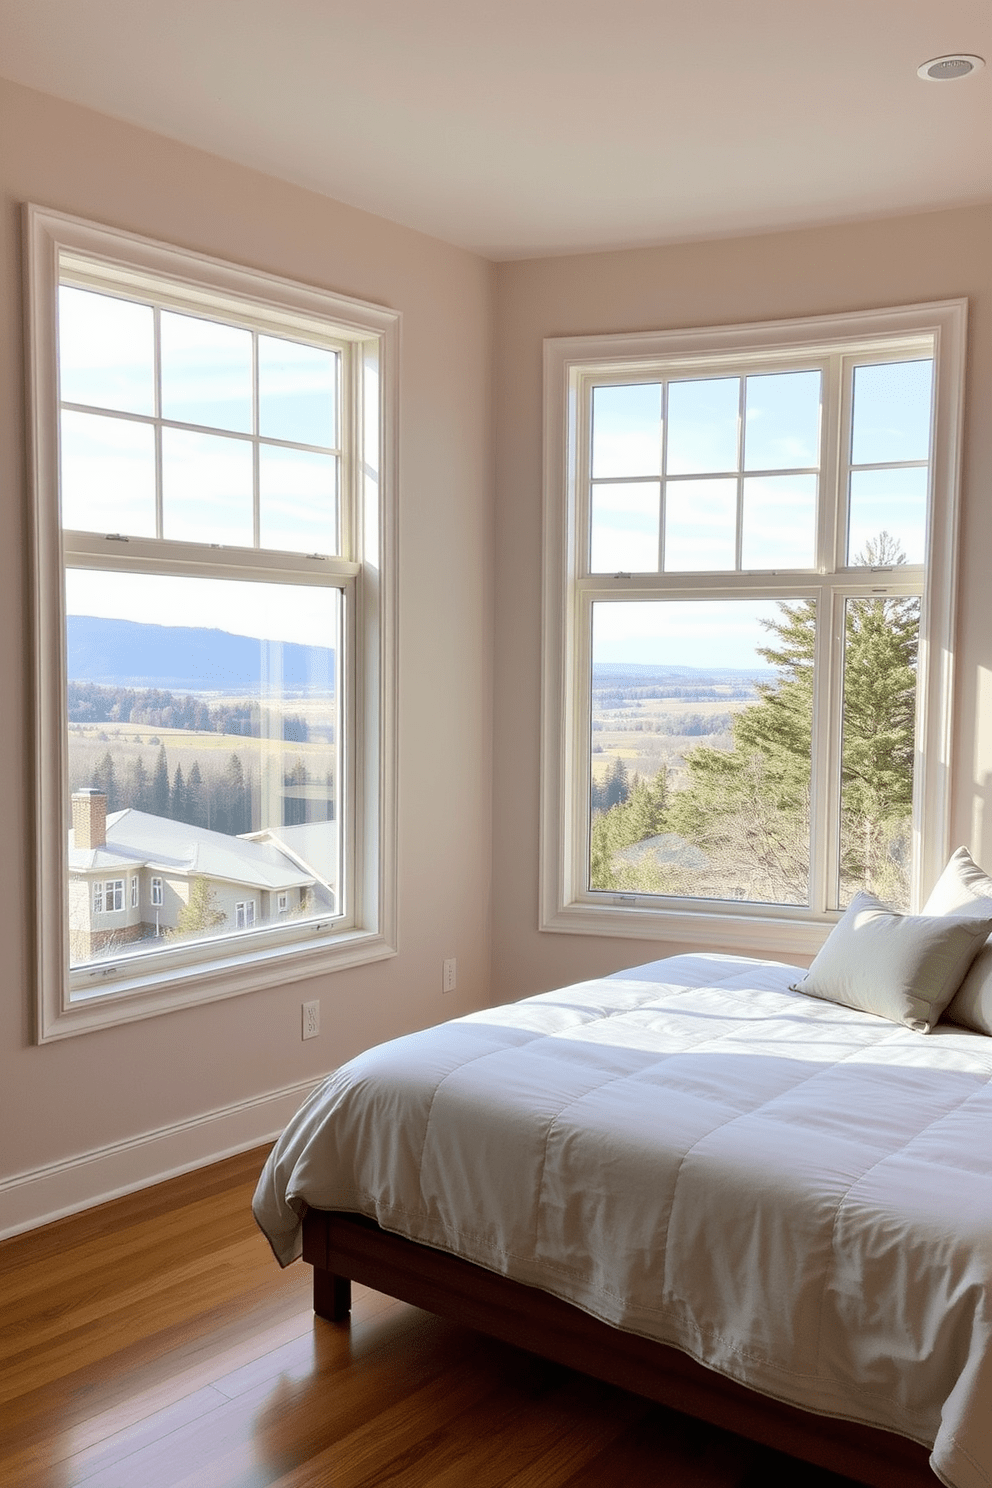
column 331, row 1295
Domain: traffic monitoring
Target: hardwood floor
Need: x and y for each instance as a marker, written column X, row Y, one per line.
column 154, row 1342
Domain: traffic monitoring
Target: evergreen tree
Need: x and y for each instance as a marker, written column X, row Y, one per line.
column 233, row 804
column 177, row 801
column 159, row 792
column 138, row 785
column 196, row 798
column 641, row 815
column 104, row 779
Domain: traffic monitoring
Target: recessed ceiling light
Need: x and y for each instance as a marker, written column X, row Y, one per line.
column 947, row 69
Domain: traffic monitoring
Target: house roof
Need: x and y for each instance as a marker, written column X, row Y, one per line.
column 138, row 839
column 312, row 845
column 535, row 127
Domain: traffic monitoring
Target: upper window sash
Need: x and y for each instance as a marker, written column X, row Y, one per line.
column 572, row 366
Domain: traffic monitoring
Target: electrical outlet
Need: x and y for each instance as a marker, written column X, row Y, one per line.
column 449, row 980
column 311, row 1019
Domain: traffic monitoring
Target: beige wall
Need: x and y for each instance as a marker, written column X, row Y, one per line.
column 89, row 1093
column 898, row 261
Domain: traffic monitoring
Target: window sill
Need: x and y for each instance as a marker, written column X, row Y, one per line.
column 752, row 930
column 136, row 996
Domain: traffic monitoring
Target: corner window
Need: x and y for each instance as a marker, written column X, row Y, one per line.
column 215, row 601
column 748, row 596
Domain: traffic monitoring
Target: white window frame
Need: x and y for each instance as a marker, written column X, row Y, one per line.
column 567, row 905
column 134, row 891
column 99, row 256
column 244, row 914
column 98, row 896
column 282, row 904
column 113, row 895
column 157, row 893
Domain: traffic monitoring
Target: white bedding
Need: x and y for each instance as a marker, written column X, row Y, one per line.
column 797, row 1195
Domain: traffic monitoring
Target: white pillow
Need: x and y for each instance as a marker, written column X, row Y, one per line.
column 903, row 967
column 964, row 888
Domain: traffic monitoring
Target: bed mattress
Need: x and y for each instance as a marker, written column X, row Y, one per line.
column 796, row 1194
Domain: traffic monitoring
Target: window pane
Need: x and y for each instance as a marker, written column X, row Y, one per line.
column 298, row 500
column 207, row 488
column 700, row 525
column 891, row 417
column 107, row 474
column 204, row 721
column 106, row 351
column 701, row 749
column 782, row 420
column 702, row 425
column 879, row 738
column 206, row 373
column 888, row 516
column 626, row 430
column 625, row 527
column 779, row 521
column 297, row 388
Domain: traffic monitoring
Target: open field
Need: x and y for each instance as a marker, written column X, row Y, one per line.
column 649, row 734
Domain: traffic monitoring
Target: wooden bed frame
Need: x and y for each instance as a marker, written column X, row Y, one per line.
column 343, row 1248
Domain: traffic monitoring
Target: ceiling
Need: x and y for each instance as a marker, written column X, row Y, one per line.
column 520, row 128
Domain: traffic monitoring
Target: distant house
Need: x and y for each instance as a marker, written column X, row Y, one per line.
column 131, row 876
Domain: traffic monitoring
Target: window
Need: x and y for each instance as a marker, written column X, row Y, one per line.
column 98, row 897
column 748, row 600
column 214, row 497
column 282, row 904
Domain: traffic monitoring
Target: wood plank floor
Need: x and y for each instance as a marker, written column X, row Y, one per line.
column 154, row 1342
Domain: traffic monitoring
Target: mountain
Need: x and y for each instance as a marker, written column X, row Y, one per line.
column 627, row 674
column 184, row 658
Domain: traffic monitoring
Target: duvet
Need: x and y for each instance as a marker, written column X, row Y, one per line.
column 796, row 1194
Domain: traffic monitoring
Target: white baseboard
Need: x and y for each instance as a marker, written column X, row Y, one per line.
column 30, row 1199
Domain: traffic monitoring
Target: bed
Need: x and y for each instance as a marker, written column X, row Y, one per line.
column 763, row 1208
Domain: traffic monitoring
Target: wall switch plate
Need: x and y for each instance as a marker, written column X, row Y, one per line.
column 449, row 979
column 311, row 1019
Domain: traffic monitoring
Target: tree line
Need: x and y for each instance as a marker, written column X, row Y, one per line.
column 221, row 802
column 151, row 707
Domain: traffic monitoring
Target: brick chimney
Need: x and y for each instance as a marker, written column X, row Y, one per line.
column 89, row 818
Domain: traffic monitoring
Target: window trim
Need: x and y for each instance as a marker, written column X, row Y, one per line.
column 565, row 905
column 105, row 254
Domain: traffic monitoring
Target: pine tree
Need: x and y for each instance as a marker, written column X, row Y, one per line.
column 641, row 815
column 159, row 791
column 177, row 800
column 104, row 779
column 196, row 798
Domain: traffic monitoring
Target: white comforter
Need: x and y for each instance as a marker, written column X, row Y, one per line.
column 797, row 1195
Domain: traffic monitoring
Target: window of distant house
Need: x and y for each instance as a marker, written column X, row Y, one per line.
column 214, row 498
column 751, row 576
